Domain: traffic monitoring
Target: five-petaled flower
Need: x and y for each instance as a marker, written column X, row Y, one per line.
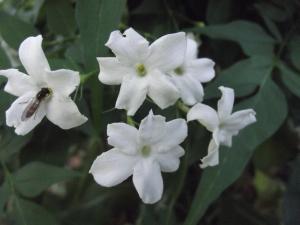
column 223, row 124
column 142, row 69
column 189, row 76
column 143, row 153
column 43, row 93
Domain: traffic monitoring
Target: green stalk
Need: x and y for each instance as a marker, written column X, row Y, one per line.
column 179, row 185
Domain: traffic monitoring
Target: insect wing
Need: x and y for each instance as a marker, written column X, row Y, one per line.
column 30, row 109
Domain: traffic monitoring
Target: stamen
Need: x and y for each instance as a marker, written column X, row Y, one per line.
column 141, row 70
column 145, row 151
column 179, row 71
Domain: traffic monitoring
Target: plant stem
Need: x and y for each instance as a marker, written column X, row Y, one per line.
column 178, row 189
column 180, row 105
column 94, row 147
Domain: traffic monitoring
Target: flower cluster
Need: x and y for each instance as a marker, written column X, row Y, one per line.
column 167, row 70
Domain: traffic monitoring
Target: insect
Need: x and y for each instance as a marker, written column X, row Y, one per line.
column 33, row 106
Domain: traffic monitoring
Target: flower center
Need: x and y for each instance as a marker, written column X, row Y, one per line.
column 145, row 151
column 141, row 69
column 179, row 71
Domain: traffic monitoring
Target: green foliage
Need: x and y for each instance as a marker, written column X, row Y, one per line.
column 13, row 30
column 233, row 160
column 250, row 36
column 44, row 176
column 4, row 60
column 96, row 19
column 290, row 78
column 29, row 213
column 60, row 17
column 10, row 144
column 36, row 177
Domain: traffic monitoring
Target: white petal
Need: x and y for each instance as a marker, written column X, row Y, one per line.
column 225, row 104
column 63, row 112
column 201, row 69
column 63, row 81
column 16, row 110
column 130, row 48
column 191, row 48
column 241, row 119
column 190, row 89
column 174, row 134
column 206, row 115
column 112, row 71
column 123, row 136
column 18, row 83
column 167, row 52
column 151, row 129
column 161, row 90
column 169, row 161
column 212, row 157
column 148, row 181
column 234, row 124
column 132, row 94
column 33, row 58
column 112, row 167
column 224, row 136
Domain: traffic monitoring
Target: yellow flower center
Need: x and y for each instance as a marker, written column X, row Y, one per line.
column 145, row 151
column 141, row 70
column 179, row 71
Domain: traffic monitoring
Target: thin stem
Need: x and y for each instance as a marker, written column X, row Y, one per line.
column 61, row 41
column 171, row 15
column 286, row 40
column 95, row 146
column 180, row 105
column 179, row 185
column 85, row 77
column 131, row 121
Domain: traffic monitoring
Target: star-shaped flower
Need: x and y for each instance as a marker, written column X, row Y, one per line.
column 41, row 93
column 194, row 71
column 141, row 68
column 223, row 124
column 143, row 153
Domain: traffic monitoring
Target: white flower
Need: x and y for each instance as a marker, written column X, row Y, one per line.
column 223, row 124
column 43, row 93
column 141, row 69
column 189, row 76
column 143, row 153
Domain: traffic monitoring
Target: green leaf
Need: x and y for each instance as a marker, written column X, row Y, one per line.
column 10, row 143
column 5, row 102
column 35, row 177
column 294, row 50
column 13, row 30
column 219, row 11
column 250, row 36
column 243, row 76
column 272, row 28
column 232, row 161
column 4, row 195
column 61, row 17
column 290, row 78
column 30, row 213
column 4, row 60
column 272, row 11
column 96, row 20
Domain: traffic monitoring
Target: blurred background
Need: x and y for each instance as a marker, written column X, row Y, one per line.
column 256, row 46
